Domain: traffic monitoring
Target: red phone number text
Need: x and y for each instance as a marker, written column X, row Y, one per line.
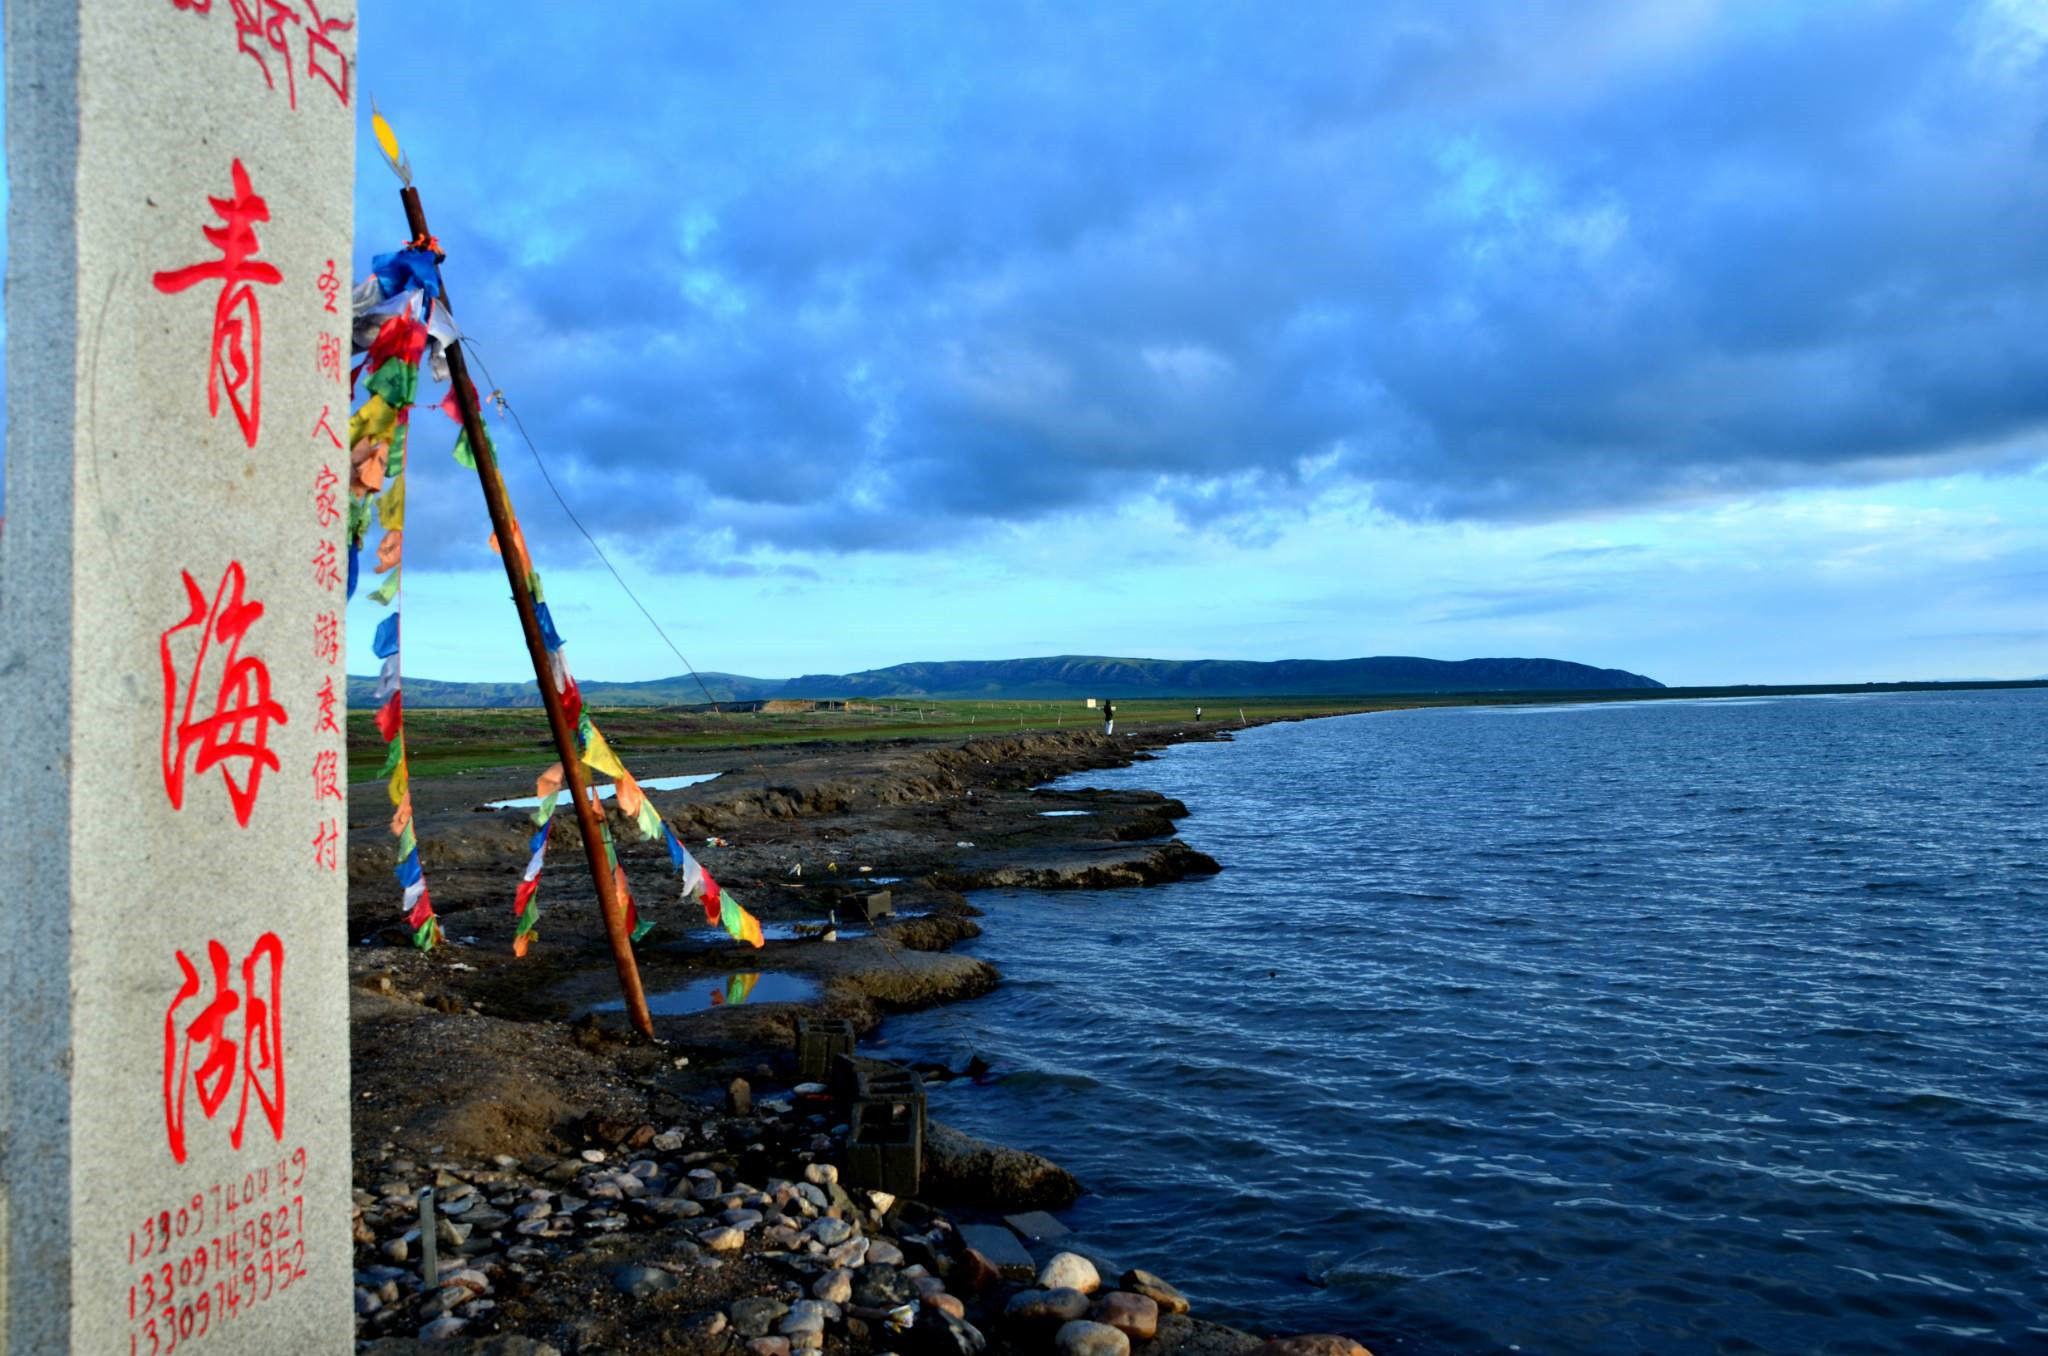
column 217, row 1255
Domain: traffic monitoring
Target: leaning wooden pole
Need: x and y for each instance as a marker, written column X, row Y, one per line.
column 588, row 815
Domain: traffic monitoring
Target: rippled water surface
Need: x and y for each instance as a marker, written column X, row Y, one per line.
column 1672, row 1027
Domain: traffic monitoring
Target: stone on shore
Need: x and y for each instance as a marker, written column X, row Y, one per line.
column 1169, row 1299
column 1083, row 1338
column 974, row 1172
column 768, row 1346
column 1135, row 1316
column 1071, row 1270
column 937, row 1333
column 755, row 1315
column 739, row 1097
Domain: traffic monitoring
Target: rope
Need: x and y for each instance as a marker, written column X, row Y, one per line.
column 498, row 398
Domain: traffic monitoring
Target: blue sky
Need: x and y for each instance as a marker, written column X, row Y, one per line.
column 1703, row 340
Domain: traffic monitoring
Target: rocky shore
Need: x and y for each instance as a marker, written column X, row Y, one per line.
column 592, row 1192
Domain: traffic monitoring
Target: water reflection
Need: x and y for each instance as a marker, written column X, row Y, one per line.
column 675, row 783
column 744, row 986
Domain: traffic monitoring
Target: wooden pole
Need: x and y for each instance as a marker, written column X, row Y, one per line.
column 589, row 818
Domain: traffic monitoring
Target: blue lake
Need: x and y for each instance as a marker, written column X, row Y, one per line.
column 1675, row 1027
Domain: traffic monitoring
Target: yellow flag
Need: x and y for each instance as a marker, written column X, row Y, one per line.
column 599, row 755
column 387, row 142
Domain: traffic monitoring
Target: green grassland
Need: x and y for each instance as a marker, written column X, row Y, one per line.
column 461, row 739
column 441, row 741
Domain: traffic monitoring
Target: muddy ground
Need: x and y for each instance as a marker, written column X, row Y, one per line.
column 478, row 1067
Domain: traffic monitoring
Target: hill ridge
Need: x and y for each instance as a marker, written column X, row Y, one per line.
column 1066, row 676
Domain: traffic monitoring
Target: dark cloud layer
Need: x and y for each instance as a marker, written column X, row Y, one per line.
column 843, row 278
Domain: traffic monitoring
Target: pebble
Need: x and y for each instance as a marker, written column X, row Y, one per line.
column 768, row 1346
column 642, row 1282
column 723, row 1239
column 668, row 1207
column 742, row 1219
column 852, row 1253
column 831, row 1232
column 794, row 1323
column 1072, row 1270
column 820, row 1174
column 593, row 1155
column 395, row 1250
column 945, row 1303
column 1135, row 1316
column 937, row 1333
column 445, row 1326
column 1169, row 1299
column 469, row 1278
column 739, row 1097
column 882, row 1251
column 1082, row 1338
column 1063, row 1305
column 835, row 1286
column 753, row 1316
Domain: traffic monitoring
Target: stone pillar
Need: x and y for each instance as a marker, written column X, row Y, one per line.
column 174, row 1096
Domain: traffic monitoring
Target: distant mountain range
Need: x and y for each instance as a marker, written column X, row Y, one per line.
column 1064, row 676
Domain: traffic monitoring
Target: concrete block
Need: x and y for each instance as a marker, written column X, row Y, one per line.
column 175, row 1074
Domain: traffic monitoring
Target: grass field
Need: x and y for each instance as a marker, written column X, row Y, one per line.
column 460, row 739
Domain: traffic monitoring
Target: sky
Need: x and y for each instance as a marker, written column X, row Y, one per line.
column 1703, row 340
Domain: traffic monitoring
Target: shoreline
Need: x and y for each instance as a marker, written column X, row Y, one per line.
column 501, row 1078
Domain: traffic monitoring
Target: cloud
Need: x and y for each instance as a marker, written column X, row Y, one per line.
column 878, row 280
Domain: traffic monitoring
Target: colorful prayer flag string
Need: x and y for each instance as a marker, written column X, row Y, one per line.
column 597, row 754
column 395, row 324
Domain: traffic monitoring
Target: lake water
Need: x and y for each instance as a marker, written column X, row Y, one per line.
column 1650, row 1027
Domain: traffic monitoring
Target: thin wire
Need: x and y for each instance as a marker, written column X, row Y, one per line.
column 500, row 400
column 947, row 1018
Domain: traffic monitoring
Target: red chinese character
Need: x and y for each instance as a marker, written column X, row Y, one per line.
column 326, row 724
column 329, row 284
column 196, row 6
column 327, row 638
column 327, row 358
column 327, row 776
column 237, row 361
column 264, row 21
column 326, row 847
column 241, row 699
column 325, row 510
column 321, row 425
column 211, row 1030
column 317, row 41
column 325, row 572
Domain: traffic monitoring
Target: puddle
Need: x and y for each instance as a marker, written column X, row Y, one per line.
column 1063, row 814
column 785, row 932
column 747, row 986
column 606, row 792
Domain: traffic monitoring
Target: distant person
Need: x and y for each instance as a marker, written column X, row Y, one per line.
column 1109, row 718
column 1198, row 713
